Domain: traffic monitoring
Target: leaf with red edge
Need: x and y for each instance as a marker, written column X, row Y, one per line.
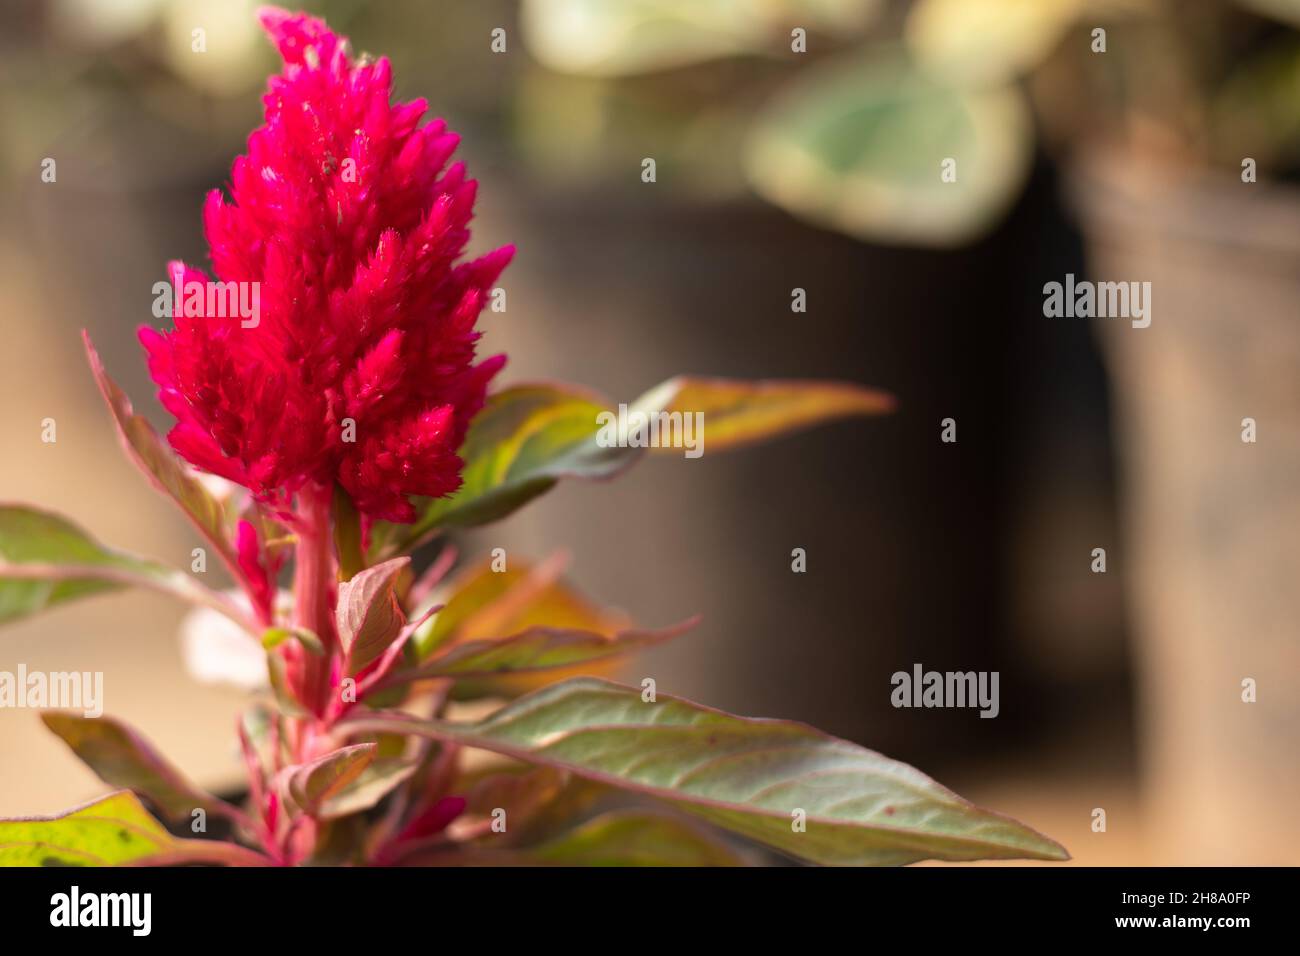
column 505, row 632
column 310, row 785
column 369, row 617
column 482, row 603
column 755, row 777
column 524, row 440
column 528, row 437
column 123, row 758
column 114, row 830
column 375, row 782
column 46, row 560
column 736, row 413
column 535, row 650
column 163, row 467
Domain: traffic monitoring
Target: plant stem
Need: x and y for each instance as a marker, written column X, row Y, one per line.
column 314, row 586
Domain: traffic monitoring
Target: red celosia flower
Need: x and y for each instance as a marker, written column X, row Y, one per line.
column 360, row 367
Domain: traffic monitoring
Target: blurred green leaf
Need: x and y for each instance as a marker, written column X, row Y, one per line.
column 46, row 560
column 163, row 467
column 987, row 41
column 509, row 665
column 481, row 603
column 273, row 637
column 636, row 838
column 859, row 146
column 737, row 413
column 603, row 38
column 122, row 758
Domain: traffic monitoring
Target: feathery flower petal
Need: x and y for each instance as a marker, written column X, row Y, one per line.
column 359, row 366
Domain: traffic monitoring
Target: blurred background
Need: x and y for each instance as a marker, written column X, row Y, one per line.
column 798, row 145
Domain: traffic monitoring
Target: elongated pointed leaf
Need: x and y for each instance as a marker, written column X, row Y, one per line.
column 112, row 831
column 636, row 838
column 483, row 603
column 311, row 784
column 763, row 779
column 528, row 437
column 735, row 413
column 368, row 615
column 523, row 441
column 123, row 758
column 164, row 468
column 536, row 649
column 46, row 560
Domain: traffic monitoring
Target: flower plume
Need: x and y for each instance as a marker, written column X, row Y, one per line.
column 359, row 367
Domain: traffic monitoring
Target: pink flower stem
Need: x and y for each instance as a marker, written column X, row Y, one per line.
column 314, row 587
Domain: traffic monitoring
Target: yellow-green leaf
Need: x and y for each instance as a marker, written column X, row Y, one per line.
column 111, row 831
column 737, row 412
column 987, row 41
column 876, row 148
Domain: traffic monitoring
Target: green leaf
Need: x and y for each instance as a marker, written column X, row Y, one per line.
column 112, row 831
column 528, row 437
column 375, row 782
column 600, row 38
column 46, row 560
column 736, row 413
column 482, row 602
column 122, row 758
column 311, row 784
column 636, row 838
column 273, row 637
column 754, row 777
column 520, row 444
column 858, row 146
column 987, row 41
column 503, row 633
column 368, row 615
column 165, row 470
column 536, row 649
